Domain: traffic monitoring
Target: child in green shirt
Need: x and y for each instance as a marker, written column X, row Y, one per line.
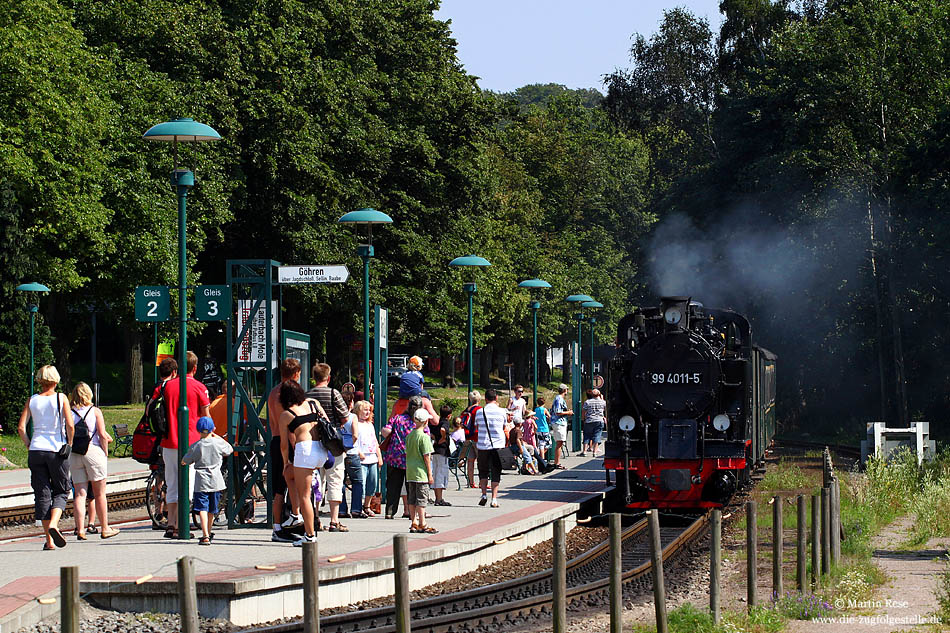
column 419, row 473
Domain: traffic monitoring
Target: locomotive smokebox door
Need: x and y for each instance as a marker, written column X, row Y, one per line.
column 676, row 479
column 677, row 439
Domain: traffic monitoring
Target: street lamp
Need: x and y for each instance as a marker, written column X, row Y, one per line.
column 470, row 288
column 575, row 375
column 535, row 306
column 185, row 131
column 367, row 217
column 34, row 308
column 592, row 305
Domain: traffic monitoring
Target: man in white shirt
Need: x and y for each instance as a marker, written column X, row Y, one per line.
column 559, row 417
column 490, row 420
column 517, row 407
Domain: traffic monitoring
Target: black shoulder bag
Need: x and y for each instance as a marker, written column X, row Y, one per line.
column 329, row 434
column 65, row 449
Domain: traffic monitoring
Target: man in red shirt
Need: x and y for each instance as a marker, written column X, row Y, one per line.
column 198, row 406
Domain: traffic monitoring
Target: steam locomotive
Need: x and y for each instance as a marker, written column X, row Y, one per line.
column 691, row 406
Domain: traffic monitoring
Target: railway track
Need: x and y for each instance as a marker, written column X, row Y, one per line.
column 851, row 453
column 512, row 603
column 18, row 515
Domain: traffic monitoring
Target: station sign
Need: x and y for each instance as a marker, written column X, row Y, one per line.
column 152, row 303
column 253, row 347
column 212, row 303
column 316, row 274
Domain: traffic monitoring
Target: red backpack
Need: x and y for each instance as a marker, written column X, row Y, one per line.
column 468, row 423
column 146, row 443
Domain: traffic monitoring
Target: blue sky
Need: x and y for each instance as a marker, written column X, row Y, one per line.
column 510, row 43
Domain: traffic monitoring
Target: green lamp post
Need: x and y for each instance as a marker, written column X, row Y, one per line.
column 185, row 131
column 33, row 308
column 575, row 374
column 591, row 305
column 535, row 306
column 367, row 217
column 470, row 288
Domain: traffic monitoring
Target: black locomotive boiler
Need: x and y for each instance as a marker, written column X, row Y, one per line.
column 691, row 406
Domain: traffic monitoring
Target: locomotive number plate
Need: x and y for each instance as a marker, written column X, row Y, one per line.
column 694, row 378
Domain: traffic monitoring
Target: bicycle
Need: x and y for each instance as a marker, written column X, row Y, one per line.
column 155, row 494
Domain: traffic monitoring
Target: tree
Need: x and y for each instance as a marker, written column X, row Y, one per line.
column 668, row 96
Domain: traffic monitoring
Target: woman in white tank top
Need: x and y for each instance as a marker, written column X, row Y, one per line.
column 49, row 472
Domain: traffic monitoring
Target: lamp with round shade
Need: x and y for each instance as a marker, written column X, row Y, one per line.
column 470, row 261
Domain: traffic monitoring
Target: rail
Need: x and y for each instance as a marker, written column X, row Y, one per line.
column 511, row 603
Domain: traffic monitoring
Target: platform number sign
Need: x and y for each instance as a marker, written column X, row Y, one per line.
column 151, row 303
column 212, row 303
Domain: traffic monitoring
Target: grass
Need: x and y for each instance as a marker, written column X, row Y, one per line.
column 785, row 476
column 690, row 619
column 13, row 449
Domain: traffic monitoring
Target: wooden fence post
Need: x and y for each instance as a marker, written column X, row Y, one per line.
column 69, row 599
column 401, row 580
column 815, row 539
column 777, row 546
column 835, row 523
column 311, row 589
column 559, row 578
column 187, row 595
column 752, row 546
column 825, row 530
column 659, row 590
column 802, row 548
column 715, row 564
column 616, row 575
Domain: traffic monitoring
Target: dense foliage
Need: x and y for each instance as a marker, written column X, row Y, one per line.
column 789, row 167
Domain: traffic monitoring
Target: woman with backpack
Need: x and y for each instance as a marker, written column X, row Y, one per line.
column 88, row 460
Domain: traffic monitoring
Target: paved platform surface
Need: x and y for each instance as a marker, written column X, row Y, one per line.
column 28, row 572
column 15, row 487
column 20, row 477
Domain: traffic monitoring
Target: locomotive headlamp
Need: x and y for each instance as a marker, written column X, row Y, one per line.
column 673, row 315
column 721, row 422
column 627, row 423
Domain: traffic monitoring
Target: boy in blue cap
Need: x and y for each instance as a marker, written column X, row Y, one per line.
column 207, row 455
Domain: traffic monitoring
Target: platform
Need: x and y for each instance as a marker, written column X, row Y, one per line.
column 233, row 585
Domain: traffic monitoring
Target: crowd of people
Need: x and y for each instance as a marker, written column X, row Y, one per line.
column 321, row 438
